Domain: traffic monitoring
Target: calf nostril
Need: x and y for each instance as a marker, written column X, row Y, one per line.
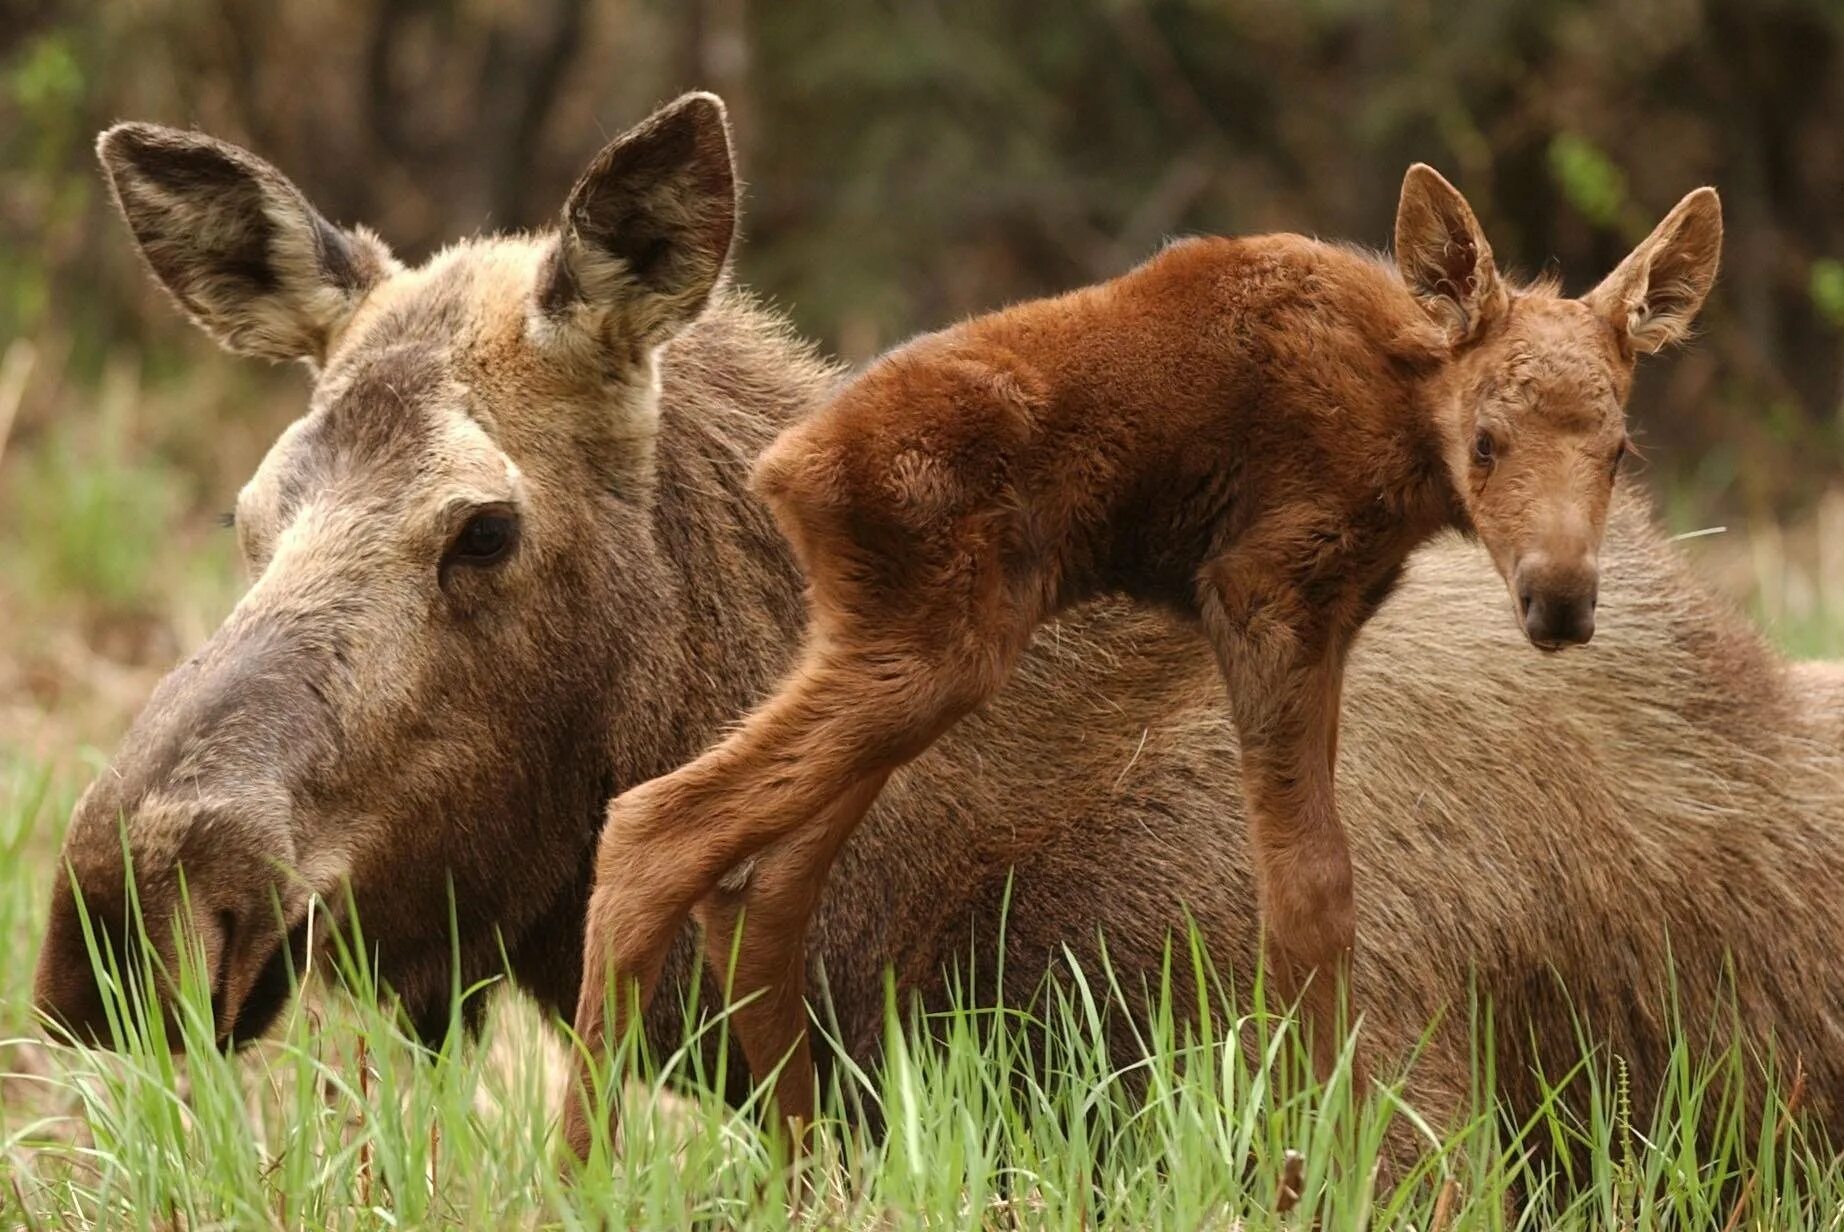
column 1584, row 622
column 1536, row 620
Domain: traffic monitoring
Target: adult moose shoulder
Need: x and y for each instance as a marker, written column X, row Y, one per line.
column 507, row 565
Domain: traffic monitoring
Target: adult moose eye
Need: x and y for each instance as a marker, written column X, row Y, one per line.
column 487, row 539
column 1485, row 449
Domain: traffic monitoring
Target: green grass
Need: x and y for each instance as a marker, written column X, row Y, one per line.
column 340, row 1120
column 86, row 528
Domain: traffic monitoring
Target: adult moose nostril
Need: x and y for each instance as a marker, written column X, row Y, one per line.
column 222, row 1012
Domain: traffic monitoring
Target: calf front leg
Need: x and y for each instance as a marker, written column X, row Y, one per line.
column 758, row 935
column 1284, row 678
column 801, row 772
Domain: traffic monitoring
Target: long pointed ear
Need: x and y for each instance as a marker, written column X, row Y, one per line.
column 1652, row 297
column 236, row 244
column 1443, row 255
column 646, row 232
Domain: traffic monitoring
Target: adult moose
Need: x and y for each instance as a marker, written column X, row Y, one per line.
column 1251, row 433
column 400, row 702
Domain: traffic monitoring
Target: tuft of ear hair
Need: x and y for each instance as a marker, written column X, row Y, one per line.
column 1443, row 256
column 1652, row 296
column 235, row 244
column 646, row 232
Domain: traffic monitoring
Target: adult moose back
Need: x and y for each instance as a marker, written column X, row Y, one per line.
column 400, row 703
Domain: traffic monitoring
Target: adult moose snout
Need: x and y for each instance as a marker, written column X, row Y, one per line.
column 121, row 913
column 183, row 849
column 1556, row 601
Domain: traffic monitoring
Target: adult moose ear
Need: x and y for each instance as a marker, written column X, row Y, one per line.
column 646, row 232
column 1652, row 297
column 1443, row 255
column 236, row 244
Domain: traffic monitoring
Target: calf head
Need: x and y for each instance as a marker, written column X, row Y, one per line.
column 1532, row 403
column 410, row 701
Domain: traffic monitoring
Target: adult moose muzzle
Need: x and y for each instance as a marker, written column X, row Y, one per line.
column 203, row 796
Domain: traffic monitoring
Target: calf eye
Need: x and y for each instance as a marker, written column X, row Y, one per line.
column 1620, row 452
column 1485, row 449
column 487, row 539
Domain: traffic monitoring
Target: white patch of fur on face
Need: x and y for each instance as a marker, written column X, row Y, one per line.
column 303, row 565
column 466, row 464
column 463, row 469
column 258, row 513
column 301, row 546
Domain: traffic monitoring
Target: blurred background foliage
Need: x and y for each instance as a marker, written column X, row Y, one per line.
column 908, row 162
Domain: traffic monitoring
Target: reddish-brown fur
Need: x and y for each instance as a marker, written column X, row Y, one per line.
column 1253, row 433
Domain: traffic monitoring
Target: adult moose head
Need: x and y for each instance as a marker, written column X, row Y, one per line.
column 461, row 623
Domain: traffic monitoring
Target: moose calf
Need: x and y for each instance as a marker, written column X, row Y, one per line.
column 1252, row 432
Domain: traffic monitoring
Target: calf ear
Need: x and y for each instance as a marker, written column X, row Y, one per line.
column 646, row 231
column 236, row 244
column 1652, row 297
column 1443, row 255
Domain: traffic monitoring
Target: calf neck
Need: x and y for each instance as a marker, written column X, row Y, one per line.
column 1253, row 433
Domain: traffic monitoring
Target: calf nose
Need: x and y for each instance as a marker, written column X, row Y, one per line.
column 1557, row 605
column 1552, row 621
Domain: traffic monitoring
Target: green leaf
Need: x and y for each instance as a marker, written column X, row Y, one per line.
column 1588, row 178
column 1827, row 287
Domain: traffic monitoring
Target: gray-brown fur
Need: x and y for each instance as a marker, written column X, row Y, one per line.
column 1540, row 822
